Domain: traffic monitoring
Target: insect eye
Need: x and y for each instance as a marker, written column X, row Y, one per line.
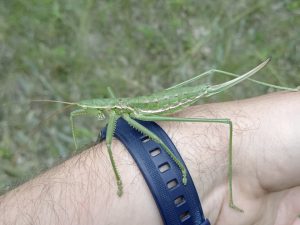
column 101, row 115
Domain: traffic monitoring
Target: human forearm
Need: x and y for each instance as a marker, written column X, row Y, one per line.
column 82, row 190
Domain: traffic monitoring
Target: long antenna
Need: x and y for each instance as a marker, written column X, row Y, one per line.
column 44, row 121
column 54, row 101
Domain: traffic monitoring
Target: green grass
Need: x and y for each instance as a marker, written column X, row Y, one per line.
column 72, row 49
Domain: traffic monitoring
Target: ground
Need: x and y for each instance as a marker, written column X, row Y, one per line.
column 73, row 49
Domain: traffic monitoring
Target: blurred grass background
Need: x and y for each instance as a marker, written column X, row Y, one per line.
column 72, row 49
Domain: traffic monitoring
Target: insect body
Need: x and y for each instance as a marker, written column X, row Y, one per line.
column 157, row 107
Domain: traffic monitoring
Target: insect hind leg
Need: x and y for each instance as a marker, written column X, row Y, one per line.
column 205, row 120
column 222, row 72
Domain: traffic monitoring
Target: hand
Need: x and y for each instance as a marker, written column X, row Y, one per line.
column 266, row 155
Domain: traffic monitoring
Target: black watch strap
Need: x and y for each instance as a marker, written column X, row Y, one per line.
column 178, row 204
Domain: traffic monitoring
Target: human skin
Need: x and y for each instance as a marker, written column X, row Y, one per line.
column 266, row 181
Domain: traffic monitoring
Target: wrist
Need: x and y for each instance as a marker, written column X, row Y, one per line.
column 204, row 149
column 261, row 131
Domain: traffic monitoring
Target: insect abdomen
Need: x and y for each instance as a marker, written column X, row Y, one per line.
column 167, row 101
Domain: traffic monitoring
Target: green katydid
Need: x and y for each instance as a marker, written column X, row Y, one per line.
column 156, row 107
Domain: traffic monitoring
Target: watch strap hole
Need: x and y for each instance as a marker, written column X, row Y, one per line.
column 144, row 139
column 172, row 183
column 155, row 152
column 185, row 216
column 164, row 167
column 179, row 200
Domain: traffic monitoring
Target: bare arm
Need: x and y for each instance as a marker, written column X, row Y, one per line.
column 266, row 181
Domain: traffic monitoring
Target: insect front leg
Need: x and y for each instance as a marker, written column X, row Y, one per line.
column 83, row 112
column 109, row 135
column 78, row 112
column 204, row 120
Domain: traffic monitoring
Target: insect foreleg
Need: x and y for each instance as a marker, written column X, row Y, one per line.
column 83, row 112
column 155, row 138
column 78, row 112
column 109, row 135
column 204, row 120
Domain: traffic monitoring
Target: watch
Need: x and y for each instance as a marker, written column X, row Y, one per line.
column 178, row 204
